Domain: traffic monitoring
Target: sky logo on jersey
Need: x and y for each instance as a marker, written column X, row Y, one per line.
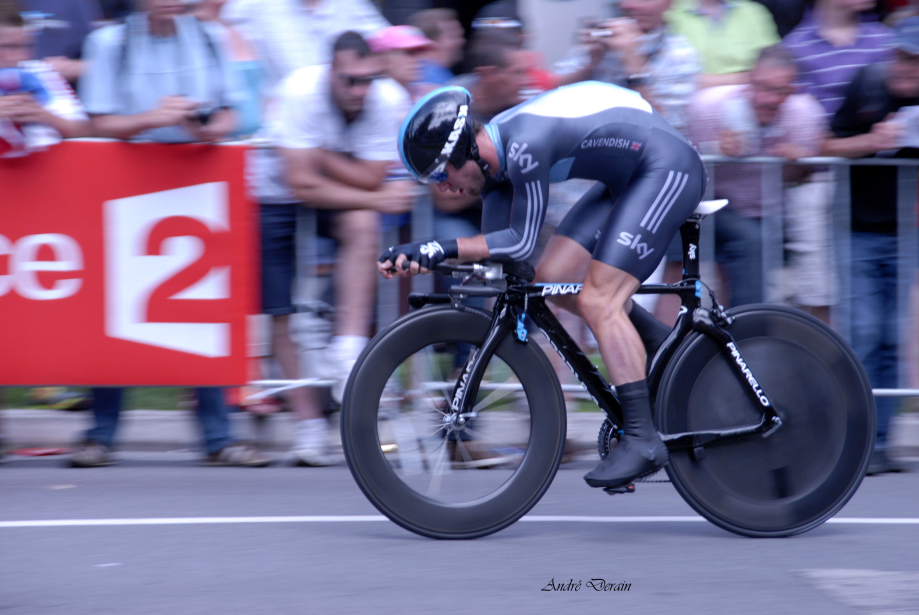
column 632, row 241
column 524, row 160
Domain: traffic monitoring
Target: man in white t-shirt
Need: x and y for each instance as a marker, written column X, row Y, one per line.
column 334, row 129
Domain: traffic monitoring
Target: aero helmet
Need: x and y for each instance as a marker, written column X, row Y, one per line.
column 437, row 131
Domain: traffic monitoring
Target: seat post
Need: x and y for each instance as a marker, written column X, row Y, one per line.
column 689, row 232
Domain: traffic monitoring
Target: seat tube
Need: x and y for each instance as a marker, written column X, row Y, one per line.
column 689, row 233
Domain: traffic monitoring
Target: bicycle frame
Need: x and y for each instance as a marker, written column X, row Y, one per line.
column 517, row 298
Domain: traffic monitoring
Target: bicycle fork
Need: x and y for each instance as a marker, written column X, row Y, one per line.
column 467, row 385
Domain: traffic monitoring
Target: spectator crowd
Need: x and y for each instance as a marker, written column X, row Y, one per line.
column 324, row 85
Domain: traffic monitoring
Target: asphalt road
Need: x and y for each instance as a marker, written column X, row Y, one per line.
column 293, row 540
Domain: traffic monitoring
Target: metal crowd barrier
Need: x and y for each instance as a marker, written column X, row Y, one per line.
column 773, row 240
column 773, row 236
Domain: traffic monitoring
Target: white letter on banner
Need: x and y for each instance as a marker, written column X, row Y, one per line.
column 131, row 275
column 6, row 279
column 23, row 265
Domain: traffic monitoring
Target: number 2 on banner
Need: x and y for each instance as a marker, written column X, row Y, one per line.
column 198, row 292
column 162, row 286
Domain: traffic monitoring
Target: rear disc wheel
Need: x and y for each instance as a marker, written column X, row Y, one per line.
column 808, row 469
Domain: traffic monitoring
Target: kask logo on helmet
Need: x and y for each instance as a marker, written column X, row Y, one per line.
column 457, row 129
column 447, row 151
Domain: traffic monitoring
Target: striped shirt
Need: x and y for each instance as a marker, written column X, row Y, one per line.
column 824, row 70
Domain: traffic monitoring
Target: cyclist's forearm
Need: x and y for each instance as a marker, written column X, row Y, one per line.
column 473, row 248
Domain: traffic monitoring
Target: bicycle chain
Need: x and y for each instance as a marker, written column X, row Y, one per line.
column 650, row 478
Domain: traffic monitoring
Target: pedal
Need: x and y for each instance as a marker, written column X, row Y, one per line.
column 630, row 488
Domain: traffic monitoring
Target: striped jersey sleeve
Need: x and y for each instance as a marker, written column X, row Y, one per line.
column 528, row 210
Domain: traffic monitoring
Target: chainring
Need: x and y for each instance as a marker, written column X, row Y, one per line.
column 608, row 431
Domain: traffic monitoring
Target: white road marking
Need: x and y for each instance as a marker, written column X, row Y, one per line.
column 877, row 592
column 367, row 518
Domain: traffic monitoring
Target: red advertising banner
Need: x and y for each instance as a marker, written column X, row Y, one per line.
column 126, row 264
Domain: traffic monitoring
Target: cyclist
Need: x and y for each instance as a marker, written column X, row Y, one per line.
column 649, row 180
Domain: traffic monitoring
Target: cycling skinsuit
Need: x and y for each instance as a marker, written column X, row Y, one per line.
column 650, row 178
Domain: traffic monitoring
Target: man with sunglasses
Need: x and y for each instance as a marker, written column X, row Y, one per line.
column 334, row 130
column 649, row 179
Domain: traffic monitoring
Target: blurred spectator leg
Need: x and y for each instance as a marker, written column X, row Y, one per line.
column 810, row 281
column 95, row 450
column 874, row 328
column 2, row 400
column 279, row 228
column 214, row 418
column 739, row 247
column 106, row 412
column 312, row 435
column 358, row 235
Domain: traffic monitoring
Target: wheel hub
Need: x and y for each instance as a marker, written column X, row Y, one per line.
column 454, row 423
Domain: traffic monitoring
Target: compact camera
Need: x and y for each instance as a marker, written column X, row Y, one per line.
column 204, row 113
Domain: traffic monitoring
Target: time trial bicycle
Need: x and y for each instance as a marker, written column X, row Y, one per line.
column 453, row 422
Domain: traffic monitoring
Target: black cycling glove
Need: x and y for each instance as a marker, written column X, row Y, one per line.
column 427, row 253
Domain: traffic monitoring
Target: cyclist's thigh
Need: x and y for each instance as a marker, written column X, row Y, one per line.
column 585, row 221
column 563, row 260
column 663, row 194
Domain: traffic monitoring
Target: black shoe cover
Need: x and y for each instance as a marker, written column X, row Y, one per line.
column 632, row 458
column 640, row 451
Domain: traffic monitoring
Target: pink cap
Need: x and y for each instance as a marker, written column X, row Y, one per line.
column 398, row 37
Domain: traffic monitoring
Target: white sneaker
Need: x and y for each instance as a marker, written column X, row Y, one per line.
column 338, row 389
column 342, row 354
column 311, row 444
